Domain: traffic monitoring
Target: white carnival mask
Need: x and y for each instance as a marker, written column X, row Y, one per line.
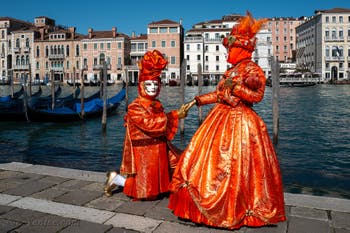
column 151, row 87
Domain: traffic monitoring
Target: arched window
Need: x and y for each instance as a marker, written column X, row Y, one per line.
column 27, row 43
column 67, row 51
column 18, row 61
column 47, row 51
column 3, row 49
column 23, row 60
column 27, row 60
column 37, row 65
column 17, row 43
column 3, row 34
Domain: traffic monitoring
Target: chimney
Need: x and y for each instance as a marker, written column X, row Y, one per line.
column 90, row 33
column 42, row 33
column 114, row 32
column 72, row 32
column 133, row 34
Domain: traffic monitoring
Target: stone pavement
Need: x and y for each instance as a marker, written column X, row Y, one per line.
column 37, row 198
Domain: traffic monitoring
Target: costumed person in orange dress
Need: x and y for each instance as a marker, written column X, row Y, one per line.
column 148, row 155
column 229, row 176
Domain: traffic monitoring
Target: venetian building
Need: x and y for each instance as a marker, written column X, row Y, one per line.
column 323, row 44
column 15, row 49
column 139, row 47
column 111, row 47
column 283, row 37
column 57, row 52
column 167, row 37
column 203, row 45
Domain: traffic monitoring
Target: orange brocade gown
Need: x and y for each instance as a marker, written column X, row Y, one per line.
column 229, row 175
column 146, row 151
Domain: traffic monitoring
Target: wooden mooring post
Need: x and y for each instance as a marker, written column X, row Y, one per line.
column 104, row 83
column 182, row 92
column 126, row 89
column 82, row 111
column 200, row 85
column 275, row 98
column 52, row 90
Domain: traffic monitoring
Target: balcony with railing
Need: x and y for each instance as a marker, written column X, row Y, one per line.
column 26, row 49
column 21, row 67
column 57, row 69
column 334, row 38
column 193, row 39
column 335, row 59
column 17, row 49
column 56, row 56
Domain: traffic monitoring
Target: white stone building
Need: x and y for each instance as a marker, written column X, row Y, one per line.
column 323, row 44
column 203, row 45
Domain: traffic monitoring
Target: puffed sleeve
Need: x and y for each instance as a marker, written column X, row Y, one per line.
column 252, row 88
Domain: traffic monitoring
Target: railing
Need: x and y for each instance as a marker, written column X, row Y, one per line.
column 56, row 56
column 57, row 69
column 21, row 67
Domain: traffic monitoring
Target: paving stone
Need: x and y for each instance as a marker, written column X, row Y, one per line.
column 86, row 227
column 23, row 215
column 8, row 225
column 136, row 207
column 28, row 188
column 53, row 179
column 25, row 177
column 9, row 174
column 78, row 197
column 118, row 193
column 161, row 211
column 309, row 213
column 106, row 203
column 49, row 194
column 97, row 187
column 6, row 185
column 72, row 184
column 278, row 228
column 134, row 222
column 339, row 230
column 47, row 224
column 302, row 225
column 122, row 230
column 4, row 209
column 180, row 228
column 340, row 220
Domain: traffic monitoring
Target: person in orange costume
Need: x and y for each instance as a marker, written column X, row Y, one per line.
column 148, row 154
column 229, row 175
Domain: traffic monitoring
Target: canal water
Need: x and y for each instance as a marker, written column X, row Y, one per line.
column 313, row 146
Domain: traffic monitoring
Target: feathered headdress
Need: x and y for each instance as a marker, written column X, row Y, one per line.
column 243, row 34
column 151, row 65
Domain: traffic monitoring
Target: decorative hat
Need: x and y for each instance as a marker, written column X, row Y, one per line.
column 243, row 34
column 151, row 65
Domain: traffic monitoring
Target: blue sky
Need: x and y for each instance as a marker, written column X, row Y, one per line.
column 135, row 15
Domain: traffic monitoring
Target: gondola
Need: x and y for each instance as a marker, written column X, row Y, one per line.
column 14, row 110
column 16, row 95
column 72, row 112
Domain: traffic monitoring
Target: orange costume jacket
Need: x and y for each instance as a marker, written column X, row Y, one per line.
column 229, row 176
column 146, row 151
